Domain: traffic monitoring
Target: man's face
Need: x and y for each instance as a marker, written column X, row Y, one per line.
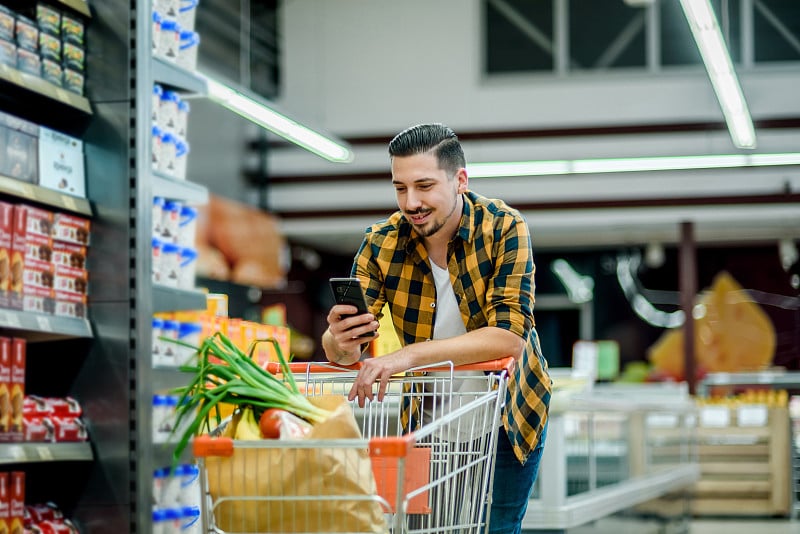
column 427, row 196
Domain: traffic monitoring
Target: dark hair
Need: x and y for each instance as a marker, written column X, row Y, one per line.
column 430, row 137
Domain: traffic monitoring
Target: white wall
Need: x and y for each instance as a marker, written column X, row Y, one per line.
column 361, row 67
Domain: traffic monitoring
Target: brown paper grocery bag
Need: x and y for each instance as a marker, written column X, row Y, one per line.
column 280, row 489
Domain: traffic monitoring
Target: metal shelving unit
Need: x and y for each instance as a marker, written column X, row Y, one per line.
column 37, row 100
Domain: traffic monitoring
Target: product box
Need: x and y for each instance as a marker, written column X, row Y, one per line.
column 17, row 502
column 61, row 163
column 19, row 142
column 69, row 255
column 71, row 280
column 8, row 53
column 37, row 275
column 27, row 34
column 71, row 229
column 5, row 388
column 8, row 21
column 38, row 221
column 48, row 19
column 18, row 360
column 18, row 234
column 5, row 501
column 39, row 300
column 39, row 248
column 6, row 233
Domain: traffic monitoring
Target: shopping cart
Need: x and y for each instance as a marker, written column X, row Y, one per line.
column 435, row 478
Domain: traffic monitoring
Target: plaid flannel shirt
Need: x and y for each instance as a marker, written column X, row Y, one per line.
column 490, row 260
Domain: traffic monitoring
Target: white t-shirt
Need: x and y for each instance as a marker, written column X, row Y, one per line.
column 448, row 324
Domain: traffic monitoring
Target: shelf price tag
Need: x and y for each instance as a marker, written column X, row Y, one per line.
column 44, row 323
column 752, row 415
column 63, row 96
column 69, row 203
column 44, row 452
column 9, row 319
column 17, row 452
column 715, row 416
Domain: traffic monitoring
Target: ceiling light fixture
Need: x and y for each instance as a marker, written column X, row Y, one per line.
column 263, row 113
column 609, row 165
column 717, row 60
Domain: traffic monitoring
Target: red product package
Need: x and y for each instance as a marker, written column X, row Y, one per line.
column 68, row 429
column 37, row 429
column 36, row 406
column 71, row 229
column 36, row 513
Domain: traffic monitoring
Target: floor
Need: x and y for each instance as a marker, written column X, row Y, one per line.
column 627, row 525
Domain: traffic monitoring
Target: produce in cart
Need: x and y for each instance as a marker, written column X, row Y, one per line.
column 223, row 374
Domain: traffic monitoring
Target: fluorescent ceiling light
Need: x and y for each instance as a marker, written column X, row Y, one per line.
column 708, row 37
column 259, row 111
column 660, row 163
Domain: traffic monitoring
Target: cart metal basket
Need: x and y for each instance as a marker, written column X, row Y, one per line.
column 437, row 477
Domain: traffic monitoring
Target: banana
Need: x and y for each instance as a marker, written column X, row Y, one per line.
column 248, row 428
column 233, row 424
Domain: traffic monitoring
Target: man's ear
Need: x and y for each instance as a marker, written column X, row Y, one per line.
column 463, row 180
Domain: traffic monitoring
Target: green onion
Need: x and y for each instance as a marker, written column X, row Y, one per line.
column 237, row 380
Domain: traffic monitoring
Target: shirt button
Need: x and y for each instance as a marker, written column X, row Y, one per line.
column 433, row 304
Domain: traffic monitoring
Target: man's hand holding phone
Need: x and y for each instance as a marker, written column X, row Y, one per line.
column 349, row 320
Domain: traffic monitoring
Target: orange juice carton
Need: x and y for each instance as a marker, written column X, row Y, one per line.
column 17, row 502
column 18, row 357
column 71, row 229
column 5, row 388
column 6, row 236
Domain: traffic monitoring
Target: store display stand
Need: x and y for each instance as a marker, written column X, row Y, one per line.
column 553, row 510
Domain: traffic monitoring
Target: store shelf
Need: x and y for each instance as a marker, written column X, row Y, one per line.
column 38, row 85
column 778, row 379
column 79, row 6
column 174, row 189
column 167, row 299
column 14, row 453
column 40, row 327
column 170, row 74
column 42, row 195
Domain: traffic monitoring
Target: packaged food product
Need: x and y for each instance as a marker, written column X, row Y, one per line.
column 74, row 56
column 48, row 19
column 50, row 47
column 71, row 229
column 8, row 23
column 29, row 61
column 73, row 81
column 27, row 34
column 8, row 53
column 52, row 72
column 72, row 29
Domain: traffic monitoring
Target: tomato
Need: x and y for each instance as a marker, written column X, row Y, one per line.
column 270, row 423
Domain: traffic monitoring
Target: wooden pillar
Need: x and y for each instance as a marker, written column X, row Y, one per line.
column 687, row 274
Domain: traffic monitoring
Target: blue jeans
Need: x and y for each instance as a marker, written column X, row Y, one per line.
column 513, row 483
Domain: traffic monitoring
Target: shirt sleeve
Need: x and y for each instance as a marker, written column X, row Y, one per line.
column 511, row 287
column 365, row 268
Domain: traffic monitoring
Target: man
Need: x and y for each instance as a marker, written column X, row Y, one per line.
column 484, row 313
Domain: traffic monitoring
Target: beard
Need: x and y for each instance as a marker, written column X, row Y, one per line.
column 431, row 227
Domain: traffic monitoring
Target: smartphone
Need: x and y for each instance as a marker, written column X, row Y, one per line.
column 349, row 291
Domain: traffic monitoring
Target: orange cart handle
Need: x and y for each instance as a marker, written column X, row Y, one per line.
column 392, row 446
column 203, row 446
column 501, row 364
